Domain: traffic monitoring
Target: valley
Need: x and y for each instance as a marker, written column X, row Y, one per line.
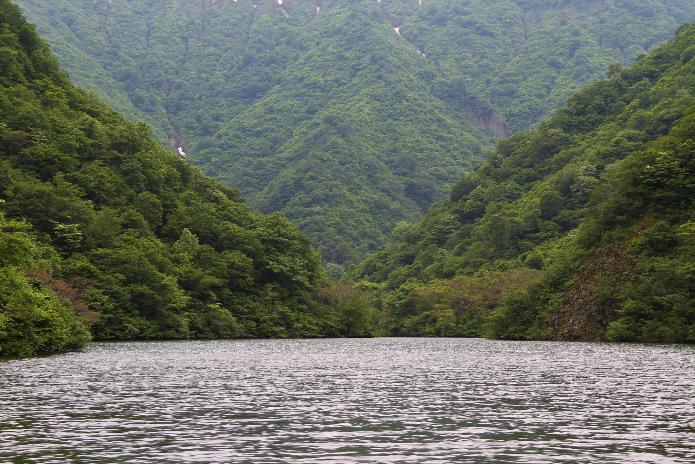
column 508, row 170
column 347, row 231
column 334, row 119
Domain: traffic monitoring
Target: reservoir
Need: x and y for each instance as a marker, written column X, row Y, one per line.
column 335, row 401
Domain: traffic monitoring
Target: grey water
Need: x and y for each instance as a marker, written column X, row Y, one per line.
column 337, row 401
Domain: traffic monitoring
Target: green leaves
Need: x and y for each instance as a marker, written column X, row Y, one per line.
column 33, row 319
column 110, row 228
column 335, row 120
column 550, row 205
column 600, row 197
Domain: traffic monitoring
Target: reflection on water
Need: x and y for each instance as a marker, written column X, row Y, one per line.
column 381, row 400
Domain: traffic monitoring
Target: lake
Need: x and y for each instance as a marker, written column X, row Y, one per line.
column 336, row 401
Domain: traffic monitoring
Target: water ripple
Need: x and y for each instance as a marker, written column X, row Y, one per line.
column 336, row 401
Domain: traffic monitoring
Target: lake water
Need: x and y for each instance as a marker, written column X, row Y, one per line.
column 380, row 400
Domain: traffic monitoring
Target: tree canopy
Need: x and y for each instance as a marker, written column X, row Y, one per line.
column 331, row 116
column 101, row 226
column 579, row 230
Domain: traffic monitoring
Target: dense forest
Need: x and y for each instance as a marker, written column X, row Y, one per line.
column 348, row 117
column 102, row 229
column 584, row 229
column 580, row 229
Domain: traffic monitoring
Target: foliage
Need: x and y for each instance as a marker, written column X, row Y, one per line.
column 348, row 310
column 34, row 318
column 455, row 307
column 330, row 116
column 599, row 197
column 155, row 249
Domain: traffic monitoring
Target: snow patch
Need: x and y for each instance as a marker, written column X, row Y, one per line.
column 398, row 31
column 284, row 12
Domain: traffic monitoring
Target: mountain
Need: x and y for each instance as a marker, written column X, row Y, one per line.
column 583, row 229
column 348, row 117
column 103, row 228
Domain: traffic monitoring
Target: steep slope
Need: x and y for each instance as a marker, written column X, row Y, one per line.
column 99, row 217
column 366, row 144
column 518, row 61
column 581, row 230
column 346, row 116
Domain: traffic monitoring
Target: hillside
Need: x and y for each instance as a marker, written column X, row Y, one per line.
column 102, row 227
column 581, row 230
column 348, row 117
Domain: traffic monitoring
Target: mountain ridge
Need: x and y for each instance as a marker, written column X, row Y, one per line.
column 578, row 230
column 219, row 80
column 105, row 232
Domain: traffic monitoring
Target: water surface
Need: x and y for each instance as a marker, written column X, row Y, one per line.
column 380, row 400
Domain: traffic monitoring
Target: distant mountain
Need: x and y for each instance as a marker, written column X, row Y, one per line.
column 584, row 229
column 101, row 227
column 348, row 117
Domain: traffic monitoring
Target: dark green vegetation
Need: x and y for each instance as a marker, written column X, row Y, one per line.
column 583, row 229
column 99, row 224
column 33, row 317
column 330, row 116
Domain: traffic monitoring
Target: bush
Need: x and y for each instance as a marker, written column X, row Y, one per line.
column 33, row 320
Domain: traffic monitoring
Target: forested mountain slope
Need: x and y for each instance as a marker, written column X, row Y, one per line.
column 346, row 116
column 100, row 224
column 583, row 229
